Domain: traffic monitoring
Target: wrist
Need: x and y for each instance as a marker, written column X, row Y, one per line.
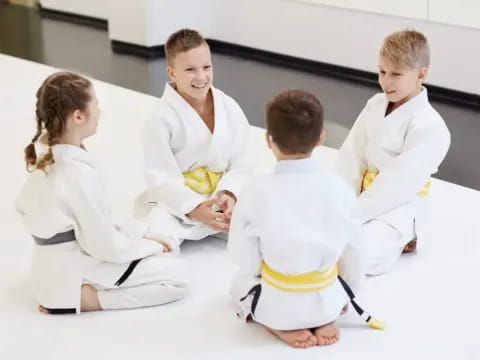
column 228, row 193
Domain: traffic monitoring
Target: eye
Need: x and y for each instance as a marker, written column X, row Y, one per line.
column 206, row 67
column 382, row 72
column 396, row 74
column 189, row 69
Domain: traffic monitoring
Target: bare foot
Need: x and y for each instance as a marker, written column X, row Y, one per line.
column 344, row 309
column 89, row 299
column 327, row 334
column 296, row 338
column 410, row 247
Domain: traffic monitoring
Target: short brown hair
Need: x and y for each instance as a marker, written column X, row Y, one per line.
column 295, row 121
column 182, row 41
column 406, row 47
column 60, row 95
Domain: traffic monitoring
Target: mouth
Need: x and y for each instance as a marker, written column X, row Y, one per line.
column 200, row 86
column 390, row 92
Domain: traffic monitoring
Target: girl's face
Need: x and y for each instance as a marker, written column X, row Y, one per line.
column 91, row 115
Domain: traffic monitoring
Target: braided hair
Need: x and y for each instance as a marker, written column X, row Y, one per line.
column 59, row 96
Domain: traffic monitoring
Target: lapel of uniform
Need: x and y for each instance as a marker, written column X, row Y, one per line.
column 185, row 111
column 218, row 135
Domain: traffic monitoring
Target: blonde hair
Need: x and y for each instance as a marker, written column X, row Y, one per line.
column 60, row 95
column 406, row 47
column 182, row 41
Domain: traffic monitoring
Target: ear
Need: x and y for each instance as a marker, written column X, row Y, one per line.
column 171, row 73
column 268, row 138
column 422, row 75
column 323, row 135
column 78, row 117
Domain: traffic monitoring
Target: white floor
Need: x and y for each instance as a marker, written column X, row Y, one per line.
column 429, row 301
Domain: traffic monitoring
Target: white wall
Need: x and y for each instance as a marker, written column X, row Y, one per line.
column 127, row 22
column 93, row 8
column 345, row 37
column 461, row 12
column 342, row 32
column 415, row 9
column 150, row 22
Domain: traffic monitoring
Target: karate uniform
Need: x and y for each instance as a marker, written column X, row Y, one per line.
column 404, row 149
column 298, row 220
column 176, row 140
column 66, row 211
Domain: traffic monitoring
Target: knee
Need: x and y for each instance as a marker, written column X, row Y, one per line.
column 378, row 263
column 375, row 268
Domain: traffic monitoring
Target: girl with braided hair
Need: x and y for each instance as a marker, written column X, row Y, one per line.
column 81, row 260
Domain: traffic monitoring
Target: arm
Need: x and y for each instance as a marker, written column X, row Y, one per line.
column 352, row 261
column 165, row 181
column 351, row 265
column 243, row 243
column 351, row 163
column 96, row 234
column 240, row 164
column 399, row 182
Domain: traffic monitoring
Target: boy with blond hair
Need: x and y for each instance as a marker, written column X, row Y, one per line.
column 194, row 146
column 396, row 144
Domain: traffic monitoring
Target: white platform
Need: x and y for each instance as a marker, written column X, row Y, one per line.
column 429, row 301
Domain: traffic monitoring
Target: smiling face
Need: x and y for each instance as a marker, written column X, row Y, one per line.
column 192, row 72
column 399, row 82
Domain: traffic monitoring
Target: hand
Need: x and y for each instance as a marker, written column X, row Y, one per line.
column 205, row 214
column 226, row 202
column 167, row 246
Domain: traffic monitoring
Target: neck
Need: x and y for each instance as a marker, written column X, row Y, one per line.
column 404, row 100
column 292, row 156
column 71, row 139
column 199, row 105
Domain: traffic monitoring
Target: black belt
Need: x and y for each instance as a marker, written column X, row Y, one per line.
column 56, row 239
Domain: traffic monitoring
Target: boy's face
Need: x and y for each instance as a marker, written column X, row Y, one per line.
column 400, row 83
column 192, row 72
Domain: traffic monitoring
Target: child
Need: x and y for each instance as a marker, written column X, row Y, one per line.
column 395, row 145
column 195, row 146
column 81, row 260
column 291, row 228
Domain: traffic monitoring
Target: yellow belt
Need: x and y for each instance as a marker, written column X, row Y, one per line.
column 370, row 176
column 202, row 180
column 313, row 281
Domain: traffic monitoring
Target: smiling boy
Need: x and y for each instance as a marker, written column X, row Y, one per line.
column 396, row 144
column 194, row 145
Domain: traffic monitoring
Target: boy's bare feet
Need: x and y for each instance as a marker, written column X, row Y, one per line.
column 327, row 334
column 296, row 338
column 344, row 309
column 42, row 309
column 89, row 299
column 410, row 247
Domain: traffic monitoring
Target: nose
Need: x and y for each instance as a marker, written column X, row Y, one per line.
column 201, row 74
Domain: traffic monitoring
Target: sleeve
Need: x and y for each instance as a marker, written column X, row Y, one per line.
column 165, row 181
column 240, row 168
column 96, row 233
column 243, row 243
column 352, row 263
column 424, row 149
column 351, row 163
